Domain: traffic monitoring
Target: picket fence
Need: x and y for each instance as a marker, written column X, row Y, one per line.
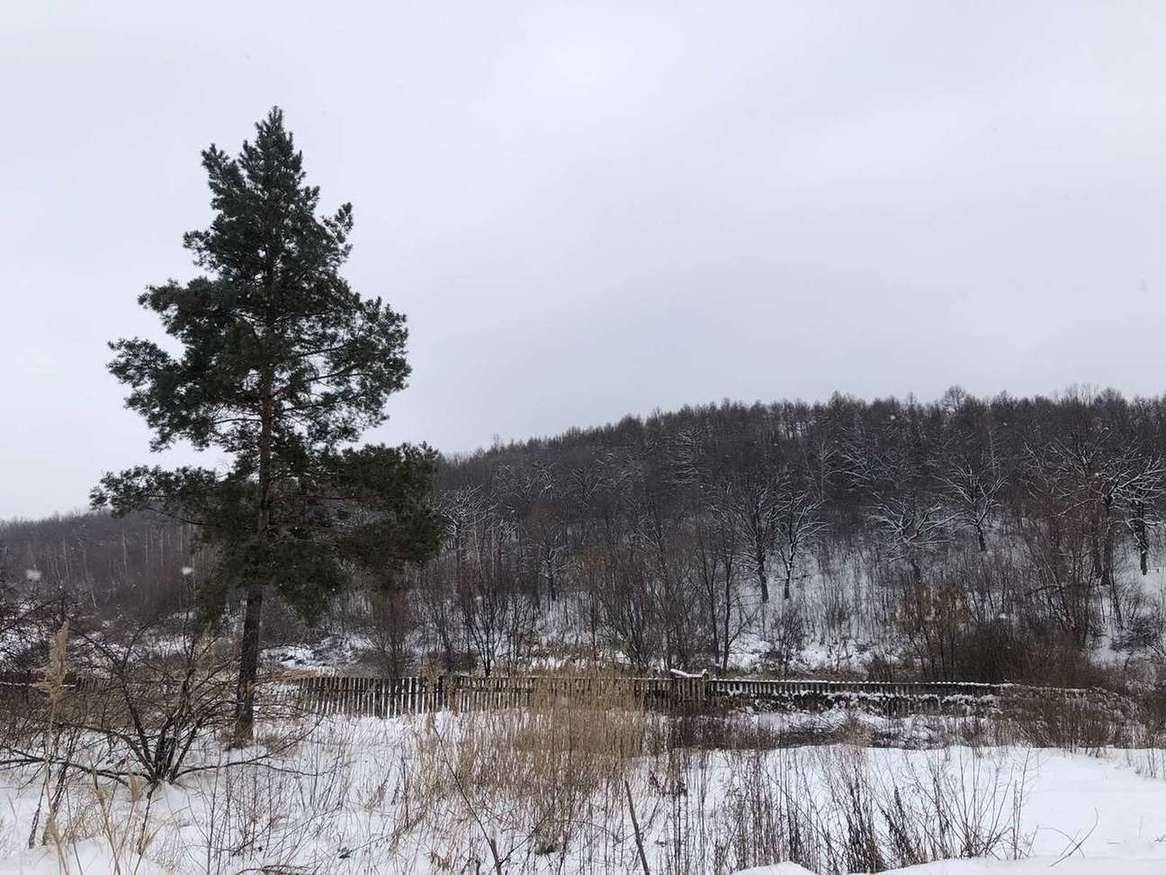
column 383, row 697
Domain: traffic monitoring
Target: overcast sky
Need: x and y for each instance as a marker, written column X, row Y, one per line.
column 587, row 211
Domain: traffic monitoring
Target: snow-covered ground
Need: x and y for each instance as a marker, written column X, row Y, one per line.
column 423, row 795
column 1031, row 866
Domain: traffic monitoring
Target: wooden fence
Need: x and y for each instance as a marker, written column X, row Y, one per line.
column 380, row 697
column 383, row 697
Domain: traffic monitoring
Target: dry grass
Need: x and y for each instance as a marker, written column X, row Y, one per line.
column 831, row 810
column 551, row 788
column 533, row 775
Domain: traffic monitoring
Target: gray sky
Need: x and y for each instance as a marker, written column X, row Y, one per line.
column 587, row 211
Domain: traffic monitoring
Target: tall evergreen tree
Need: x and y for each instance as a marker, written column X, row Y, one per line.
column 282, row 367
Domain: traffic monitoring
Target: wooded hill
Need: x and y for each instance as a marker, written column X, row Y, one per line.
column 971, row 538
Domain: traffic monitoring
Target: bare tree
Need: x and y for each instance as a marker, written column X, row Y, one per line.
column 718, row 543
column 1103, row 489
column 391, row 622
column 974, row 482
column 628, row 596
column 798, row 525
column 754, row 503
column 1139, row 493
column 893, row 471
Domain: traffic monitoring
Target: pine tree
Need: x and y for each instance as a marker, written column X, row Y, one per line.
column 282, row 367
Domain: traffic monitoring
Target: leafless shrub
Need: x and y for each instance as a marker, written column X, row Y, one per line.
column 128, row 707
column 833, row 812
column 1069, row 723
column 787, row 636
column 391, row 623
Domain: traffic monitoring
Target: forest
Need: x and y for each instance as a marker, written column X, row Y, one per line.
column 968, row 538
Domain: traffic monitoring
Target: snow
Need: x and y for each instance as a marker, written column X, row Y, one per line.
column 1116, row 815
column 329, row 655
column 1030, row 866
column 88, row 856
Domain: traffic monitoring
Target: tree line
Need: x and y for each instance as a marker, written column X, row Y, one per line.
column 1038, row 515
column 962, row 529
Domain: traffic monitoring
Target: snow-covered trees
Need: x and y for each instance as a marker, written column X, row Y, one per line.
column 658, row 541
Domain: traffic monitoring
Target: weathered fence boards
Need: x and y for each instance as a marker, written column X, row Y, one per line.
column 890, row 699
column 380, row 697
column 338, row 694
column 383, row 697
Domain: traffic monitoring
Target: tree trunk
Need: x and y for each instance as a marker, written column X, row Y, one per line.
column 725, row 642
column 759, row 564
column 248, row 668
column 710, row 586
column 1108, row 576
column 249, row 650
column 1140, row 536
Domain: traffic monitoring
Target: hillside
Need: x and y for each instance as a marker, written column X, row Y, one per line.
column 978, row 539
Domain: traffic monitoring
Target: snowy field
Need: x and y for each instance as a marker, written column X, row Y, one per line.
column 569, row 791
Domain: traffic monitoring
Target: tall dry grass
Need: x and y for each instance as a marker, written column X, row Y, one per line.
column 585, row 779
column 526, row 783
